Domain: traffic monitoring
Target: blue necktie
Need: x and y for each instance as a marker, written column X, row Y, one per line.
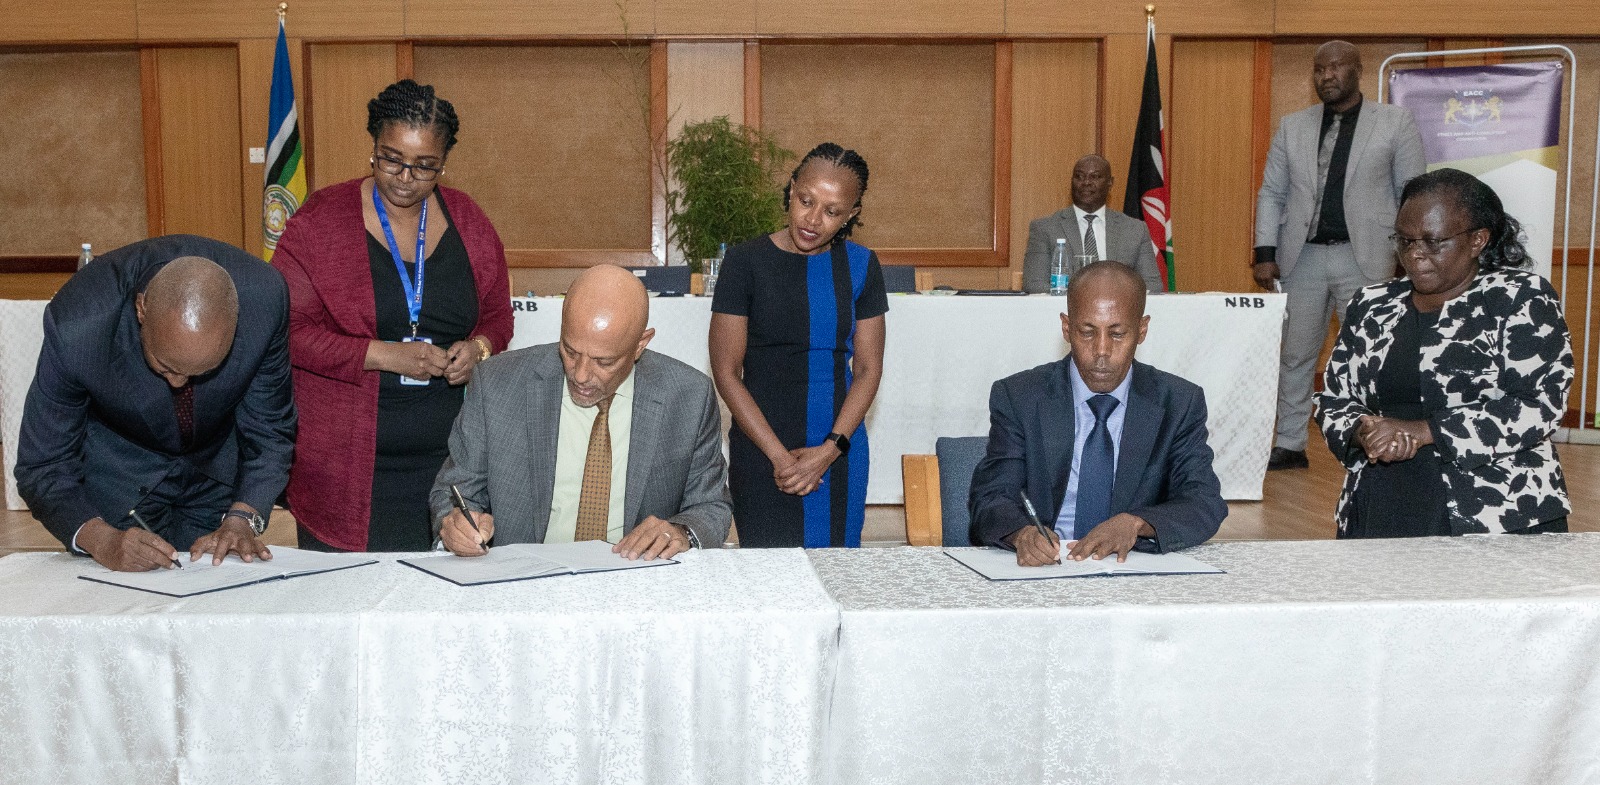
column 1096, row 469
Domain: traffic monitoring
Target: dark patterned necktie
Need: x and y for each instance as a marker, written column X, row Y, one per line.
column 1096, row 469
column 594, row 501
column 1091, row 246
column 1330, row 140
column 183, row 404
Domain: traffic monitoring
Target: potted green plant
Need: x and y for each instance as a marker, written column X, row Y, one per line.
column 726, row 191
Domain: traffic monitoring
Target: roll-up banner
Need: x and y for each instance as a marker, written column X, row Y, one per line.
column 1501, row 123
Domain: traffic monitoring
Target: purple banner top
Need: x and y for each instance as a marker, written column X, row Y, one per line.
column 1473, row 111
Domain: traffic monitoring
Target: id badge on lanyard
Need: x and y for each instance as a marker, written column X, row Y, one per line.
column 413, row 288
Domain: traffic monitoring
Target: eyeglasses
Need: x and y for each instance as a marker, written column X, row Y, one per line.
column 1430, row 245
column 394, row 166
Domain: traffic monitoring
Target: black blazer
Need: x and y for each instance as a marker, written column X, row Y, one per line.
column 99, row 429
column 1163, row 475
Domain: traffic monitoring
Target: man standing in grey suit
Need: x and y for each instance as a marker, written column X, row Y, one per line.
column 1087, row 224
column 1323, row 220
column 591, row 438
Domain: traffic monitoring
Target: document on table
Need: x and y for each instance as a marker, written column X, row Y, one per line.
column 998, row 564
column 200, row 577
column 529, row 560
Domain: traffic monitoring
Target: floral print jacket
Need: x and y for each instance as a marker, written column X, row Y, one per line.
column 1495, row 371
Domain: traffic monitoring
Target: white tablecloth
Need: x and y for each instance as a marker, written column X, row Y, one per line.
column 943, row 353
column 941, row 356
column 1467, row 660
column 718, row 670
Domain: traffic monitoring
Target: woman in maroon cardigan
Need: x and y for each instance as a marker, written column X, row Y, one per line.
column 382, row 345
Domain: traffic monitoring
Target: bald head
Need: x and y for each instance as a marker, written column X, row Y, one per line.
column 187, row 316
column 1091, row 182
column 1107, row 279
column 1336, row 75
column 603, row 331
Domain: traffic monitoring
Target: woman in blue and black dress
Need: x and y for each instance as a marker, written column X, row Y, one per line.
column 797, row 353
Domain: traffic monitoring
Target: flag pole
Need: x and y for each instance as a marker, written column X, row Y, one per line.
column 283, row 8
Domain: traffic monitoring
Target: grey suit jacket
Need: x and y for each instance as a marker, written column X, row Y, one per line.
column 1127, row 241
column 503, row 447
column 1385, row 153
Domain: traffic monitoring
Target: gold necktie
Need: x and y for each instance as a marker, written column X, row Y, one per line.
column 594, row 501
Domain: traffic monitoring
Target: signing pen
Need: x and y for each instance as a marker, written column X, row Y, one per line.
column 461, row 504
column 1034, row 516
column 134, row 514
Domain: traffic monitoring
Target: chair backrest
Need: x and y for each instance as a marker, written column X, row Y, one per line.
column 899, row 278
column 672, row 279
column 958, row 459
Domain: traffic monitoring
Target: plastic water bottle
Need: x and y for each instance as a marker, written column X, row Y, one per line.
column 85, row 256
column 714, row 268
column 1058, row 268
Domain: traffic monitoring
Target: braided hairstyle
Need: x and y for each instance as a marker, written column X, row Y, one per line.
column 831, row 153
column 1483, row 208
column 415, row 106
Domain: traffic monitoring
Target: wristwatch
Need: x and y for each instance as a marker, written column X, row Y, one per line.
column 257, row 523
column 839, row 440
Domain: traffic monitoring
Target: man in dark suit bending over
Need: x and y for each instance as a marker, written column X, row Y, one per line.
column 1111, row 452
column 162, row 387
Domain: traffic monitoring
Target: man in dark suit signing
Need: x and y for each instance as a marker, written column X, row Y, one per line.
column 1111, row 452
column 162, row 388
column 1089, row 227
column 591, row 438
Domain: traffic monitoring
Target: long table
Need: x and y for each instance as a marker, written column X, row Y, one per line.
column 717, row 670
column 941, row 356
column 1403, row 661
column 943, row 353
column 1439, row 660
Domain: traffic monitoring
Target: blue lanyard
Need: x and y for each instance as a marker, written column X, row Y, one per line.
column 413, row 290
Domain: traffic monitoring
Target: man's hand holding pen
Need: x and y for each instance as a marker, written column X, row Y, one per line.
column 459, row 536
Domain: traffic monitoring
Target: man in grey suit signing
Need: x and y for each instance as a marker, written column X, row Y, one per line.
column 1087, row 224
column 1323, row 219
column 591, row 438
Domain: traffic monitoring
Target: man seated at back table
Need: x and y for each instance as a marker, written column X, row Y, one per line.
column 1090, row 228
column 591, row 438
column 1111, row 452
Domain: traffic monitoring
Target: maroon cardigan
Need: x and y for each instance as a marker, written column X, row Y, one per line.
column 332, row 317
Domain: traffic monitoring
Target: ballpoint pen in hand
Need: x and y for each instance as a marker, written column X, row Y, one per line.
column 461, row 504
column 1034, row 516
column 134, row 514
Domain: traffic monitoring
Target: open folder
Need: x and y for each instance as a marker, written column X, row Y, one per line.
column 997, row 564
column 200, row 577
column 529, row 560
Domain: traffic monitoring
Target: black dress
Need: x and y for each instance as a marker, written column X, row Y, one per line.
column 1406, row 498
column 802, row 313
column 414, row 421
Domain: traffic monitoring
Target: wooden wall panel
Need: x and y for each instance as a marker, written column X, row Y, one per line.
column 76, row 162
column 344, row 77
column 1173, row 17
column 201, row 150
column 200, row 20
column 1212, row 202
column 256, row 56
column 1053, row 123
column 873, row 17
column 1122, row 80
column 554, row 141
column 921, row 115
column 704, row 80
column 529, row 18
column 705, row 17
column 1434, row 17
column 80, row 20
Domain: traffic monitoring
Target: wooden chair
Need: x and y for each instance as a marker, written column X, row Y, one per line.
column 936, row 491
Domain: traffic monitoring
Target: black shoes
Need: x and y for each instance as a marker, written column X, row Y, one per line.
column 1287, row 459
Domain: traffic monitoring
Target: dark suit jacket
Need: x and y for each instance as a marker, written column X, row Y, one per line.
column 503, row 447
column 1164, row 472
column 99, row 429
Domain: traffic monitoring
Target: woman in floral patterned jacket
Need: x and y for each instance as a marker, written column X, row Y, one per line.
column 1445, row 385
